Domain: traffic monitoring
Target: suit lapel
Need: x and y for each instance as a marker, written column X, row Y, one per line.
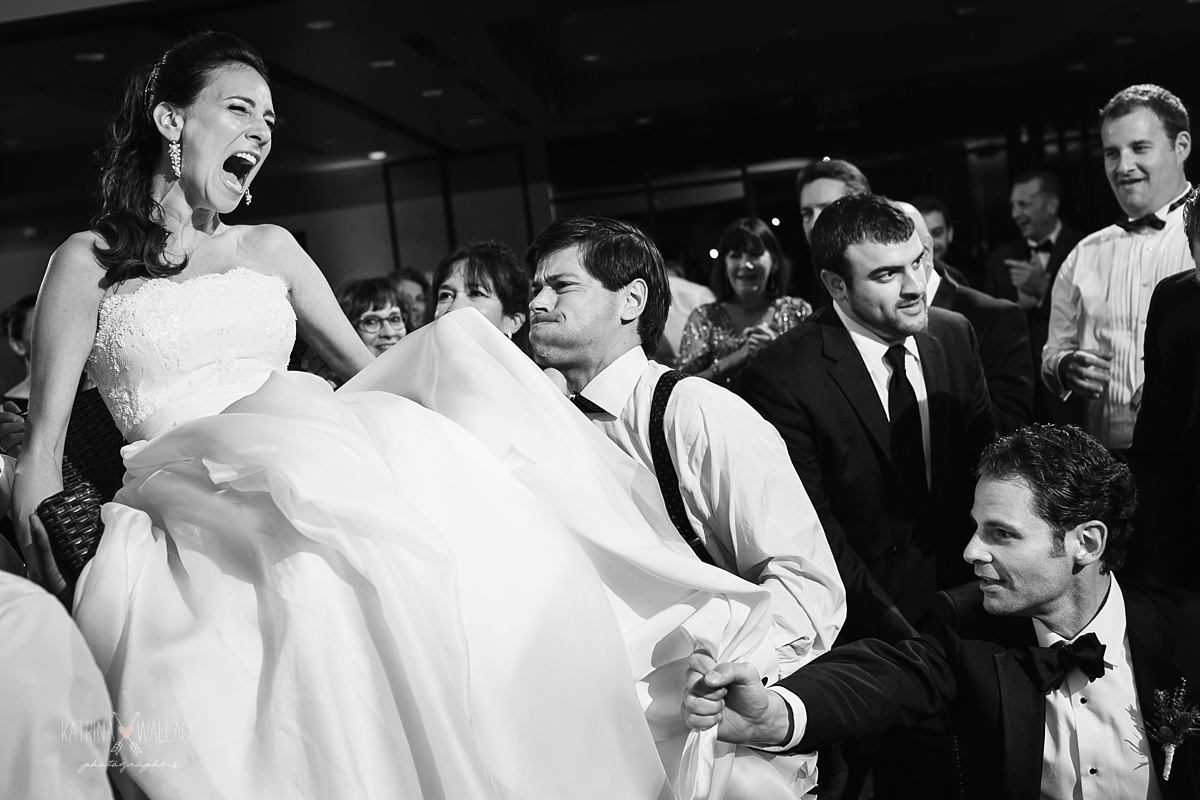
column 1150, row 641
column 850, row 374
column 937, row 382
column 1023, row 712
column 947, row 292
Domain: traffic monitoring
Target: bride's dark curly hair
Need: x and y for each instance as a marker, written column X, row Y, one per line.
column 130, row 220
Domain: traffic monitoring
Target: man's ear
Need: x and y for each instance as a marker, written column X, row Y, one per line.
column 1052, row 204
column 834, row 284
column 637, row 294
column 168, row 120
column 1086, row 542
column 1183, row 145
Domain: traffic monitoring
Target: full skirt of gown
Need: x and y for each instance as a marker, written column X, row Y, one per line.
column 318, row 594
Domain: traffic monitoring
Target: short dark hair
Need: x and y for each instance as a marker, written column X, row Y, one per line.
column 1073, row 478
column 854, row 219
column 1191, row 218
column 357, row 297
column 927, row 204
column 614, row 253
column 1169, row 109
column 1048, row 182
column 12, row 319
column 489, row 263
column 751, row 236
column 834, row 169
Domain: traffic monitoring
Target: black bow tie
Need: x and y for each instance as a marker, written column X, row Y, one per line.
column 585, row 405
column 1051, row 664
column 1141, row 223
column 1150, row 220
column 1044, row 246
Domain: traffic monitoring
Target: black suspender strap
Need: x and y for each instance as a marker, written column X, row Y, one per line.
column 668, row 479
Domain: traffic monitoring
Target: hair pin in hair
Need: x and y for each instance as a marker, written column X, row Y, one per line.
column 154, row 76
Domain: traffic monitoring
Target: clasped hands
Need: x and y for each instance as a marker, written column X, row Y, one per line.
column 757, row 338
column 733, row 698
column 1030, row 280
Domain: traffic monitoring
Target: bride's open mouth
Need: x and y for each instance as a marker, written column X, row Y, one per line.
column 237, row 169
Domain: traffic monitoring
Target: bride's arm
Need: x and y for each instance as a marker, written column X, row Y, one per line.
column 318, row 315
column 64, row 328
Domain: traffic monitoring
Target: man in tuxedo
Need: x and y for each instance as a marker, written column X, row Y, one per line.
column 1048, row 664
column 1099, row 300
column 999, row 326
column 600, row 300
column 1024, row 269
column 1166, row 436
column 885, row 454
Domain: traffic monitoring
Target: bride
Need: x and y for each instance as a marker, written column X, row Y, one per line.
column 308, row 594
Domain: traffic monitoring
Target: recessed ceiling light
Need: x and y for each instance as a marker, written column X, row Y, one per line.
column 775, row 221
column 476, row 121
column 377, row 155
column 591, row 58
column 89, row 58
column 713, row 253
column 319, row 24
column 428, row 93
column 383, row 63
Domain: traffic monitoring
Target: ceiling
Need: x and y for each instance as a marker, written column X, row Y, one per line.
column 598, row 91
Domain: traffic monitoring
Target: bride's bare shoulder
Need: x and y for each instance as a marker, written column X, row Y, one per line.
column 74, row 263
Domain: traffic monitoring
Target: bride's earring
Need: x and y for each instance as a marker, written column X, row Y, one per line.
column 246, row 196
column 176, row 154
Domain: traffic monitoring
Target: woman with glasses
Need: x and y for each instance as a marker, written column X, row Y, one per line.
column 373, row 306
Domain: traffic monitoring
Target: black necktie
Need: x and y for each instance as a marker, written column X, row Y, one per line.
column 1052, row 664
column 585, row 405
column 1150, row 220
column 908, row 443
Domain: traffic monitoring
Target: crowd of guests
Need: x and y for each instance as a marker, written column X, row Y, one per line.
column 954, row 575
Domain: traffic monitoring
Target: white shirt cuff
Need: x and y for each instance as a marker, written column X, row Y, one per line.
column 799, row 721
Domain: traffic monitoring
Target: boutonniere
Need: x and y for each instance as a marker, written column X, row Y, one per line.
column 1172, row 721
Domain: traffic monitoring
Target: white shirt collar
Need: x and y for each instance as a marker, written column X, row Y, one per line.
column 613, row 385
column 1108, row 624
column 1052, row 237
column 870, row 346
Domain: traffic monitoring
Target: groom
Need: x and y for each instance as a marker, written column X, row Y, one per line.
column 1056, row 705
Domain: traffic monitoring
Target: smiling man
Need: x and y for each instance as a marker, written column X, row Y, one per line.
column 1099, row 301
column 600, row 299
column 884, row 408
column 1047, row 663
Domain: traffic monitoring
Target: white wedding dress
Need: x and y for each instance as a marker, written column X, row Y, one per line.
column 309, row 594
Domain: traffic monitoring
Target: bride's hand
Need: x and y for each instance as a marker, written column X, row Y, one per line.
column 39, row 559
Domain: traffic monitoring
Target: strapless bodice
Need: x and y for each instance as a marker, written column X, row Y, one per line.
column 196, row 345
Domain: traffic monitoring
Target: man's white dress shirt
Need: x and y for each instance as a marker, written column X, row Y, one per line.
column 741, row 494
column 1096, row 746
column 1098, row 304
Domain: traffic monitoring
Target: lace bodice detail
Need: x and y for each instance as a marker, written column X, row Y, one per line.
column 169, row 341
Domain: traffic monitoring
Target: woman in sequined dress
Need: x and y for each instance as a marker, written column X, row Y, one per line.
column 749, row 279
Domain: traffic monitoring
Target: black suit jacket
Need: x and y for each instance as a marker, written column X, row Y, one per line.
column 1166, row 437
column 1004, row 350
column 970, row 662
column 812, row 384
column 997, row 283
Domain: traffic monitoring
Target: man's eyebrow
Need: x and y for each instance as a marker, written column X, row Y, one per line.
column 878, row 271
